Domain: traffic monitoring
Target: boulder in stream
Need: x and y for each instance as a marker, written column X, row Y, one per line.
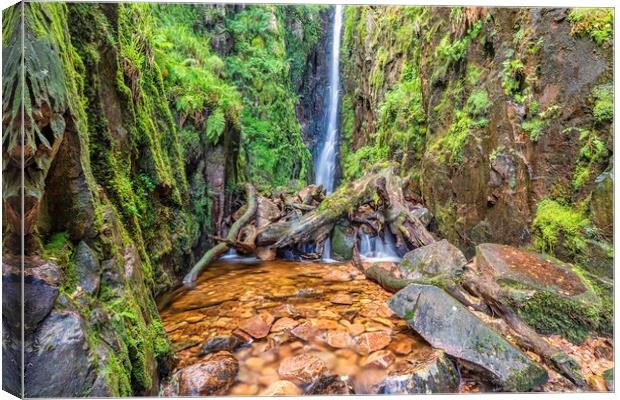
column 343, row 240
column 430, row 261
column 213, row 375
column 446, row 324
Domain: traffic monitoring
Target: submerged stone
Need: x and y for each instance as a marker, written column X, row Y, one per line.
column 302, row 369
column 438, row 258
column 446, row 324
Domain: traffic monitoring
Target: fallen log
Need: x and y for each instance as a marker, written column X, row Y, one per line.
column 221, row 248
column 382, row 188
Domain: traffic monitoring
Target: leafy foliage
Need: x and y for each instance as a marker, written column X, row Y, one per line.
column 603, row 110
column 597, row 23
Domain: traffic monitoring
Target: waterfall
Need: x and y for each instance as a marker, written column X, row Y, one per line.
column 378, row 249
column 325, row 164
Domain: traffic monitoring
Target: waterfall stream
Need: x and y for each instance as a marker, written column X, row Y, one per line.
column 371, row 247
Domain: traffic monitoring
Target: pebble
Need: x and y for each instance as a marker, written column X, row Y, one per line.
column 302, row 369
column 339, row 339
column 255, row 326
column 372, row 341
column 282, row 388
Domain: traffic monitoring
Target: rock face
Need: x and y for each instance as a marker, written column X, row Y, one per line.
column 438, row 258
column 483, row 189
column 602, row 200
column 446, row 324
column 212, row 376
column 436, row 375
column 60, row 341
column 87, row 265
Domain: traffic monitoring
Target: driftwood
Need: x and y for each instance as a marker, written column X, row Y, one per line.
column 214, row 252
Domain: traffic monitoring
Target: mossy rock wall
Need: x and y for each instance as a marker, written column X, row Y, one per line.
column 149, row 134
column 487, row 110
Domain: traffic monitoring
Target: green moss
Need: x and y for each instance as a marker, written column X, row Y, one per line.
column 603, row 110
column 597, row 23
column 592, row 153
column 554, row 221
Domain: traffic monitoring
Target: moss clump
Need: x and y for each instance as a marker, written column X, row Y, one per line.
column 597, row 23
column 555, row 221
column 603, row 110
column 592, row 152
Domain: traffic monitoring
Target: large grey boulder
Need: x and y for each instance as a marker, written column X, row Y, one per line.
column 438, row 258
column 446, row 324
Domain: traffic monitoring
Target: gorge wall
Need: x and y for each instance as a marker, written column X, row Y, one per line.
column 501, row 118
column 141, row 122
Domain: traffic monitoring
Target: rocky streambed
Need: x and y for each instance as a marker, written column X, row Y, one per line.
column 289, row 328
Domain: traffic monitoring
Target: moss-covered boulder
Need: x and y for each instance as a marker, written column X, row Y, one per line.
column 551, row 296
column 448, row 325
column 343, row 240
column 438, row 258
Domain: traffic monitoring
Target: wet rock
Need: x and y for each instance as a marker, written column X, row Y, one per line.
column 284, row 324
column 338, row 339
column 302, row 369
column 282, row 388
column 60, row 341
column 306, row 331
column 87, row 267
column 401, row 347
column 285, row 310
column 330, row 385
column 372, row 341
column 447, row 324
column 343, row 240
column 222, row 343
column 608, row 375
column 213, row 375
column 337, row 275
column 438, row 374
column 255, row 326
column 438, row 258
column 309, row 193
column 597, row 257
column 379, row 359
column 356, row 329
column 423, row 214
column 341, row 299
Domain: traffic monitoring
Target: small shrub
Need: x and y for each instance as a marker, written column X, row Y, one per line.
column 597, row 23
column 603, row 110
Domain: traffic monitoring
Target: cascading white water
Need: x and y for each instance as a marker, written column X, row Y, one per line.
column 377, row 249
column 325, row 164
